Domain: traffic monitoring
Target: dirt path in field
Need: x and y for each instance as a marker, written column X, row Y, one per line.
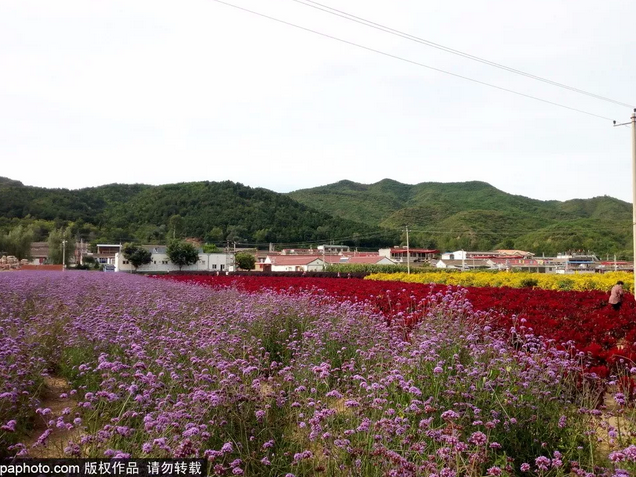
column 58, row 439
column 611, row 417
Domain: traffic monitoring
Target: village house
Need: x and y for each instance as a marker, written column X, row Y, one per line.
column 106, row 253
column 470, row 264
column 332, row 249
column 160, row 263
column 400, row 254
column 293, row 263
column 485, row 255
column 39, row 253
column 616, row 266
column 297, row 251
column 539, row 265
column 359, row 259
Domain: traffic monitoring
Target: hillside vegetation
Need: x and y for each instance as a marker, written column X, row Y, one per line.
column 452, row 216
column 211, row 211
column 476, row 215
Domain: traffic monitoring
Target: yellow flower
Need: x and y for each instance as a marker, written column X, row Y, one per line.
column 576, row 281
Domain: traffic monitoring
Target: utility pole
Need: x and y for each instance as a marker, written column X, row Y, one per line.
column 634, row 193
column 633, row 123
column 408, row 252
column 615, row 262
column 63, row 255
column 324, row 264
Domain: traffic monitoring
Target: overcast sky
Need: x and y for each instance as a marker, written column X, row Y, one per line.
column 96, row 92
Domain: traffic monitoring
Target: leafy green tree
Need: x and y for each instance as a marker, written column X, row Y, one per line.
column 3, row 243
column 150, row 233
column 90, row 262
column 323, row 232
column 17, row 242
column 215, row 235
column 261, row 235
column 176, row 227
column 59, row 249
column 41, row 229
column 210, row 248
column 182, row 253
column 244, row 261
column 508, row 244
column 236, row 233
column 136, row 255
column 356, row 239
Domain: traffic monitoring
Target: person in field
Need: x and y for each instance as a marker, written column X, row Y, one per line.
column 616, row 296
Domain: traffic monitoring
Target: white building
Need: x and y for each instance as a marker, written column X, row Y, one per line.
column 333, row 249
column 402, row 254
column 106, row 253
column 466, row 264
column 366, row 260
column 292, row 263
column 159, row 262
column 485, row 255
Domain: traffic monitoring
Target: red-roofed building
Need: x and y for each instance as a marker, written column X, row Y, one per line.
column 39, row 253
column 535, row 265
column 614, row 265
column 293, row 263
column 486, row 255
column 364, row 259
column 399, row 254
column 298, row 251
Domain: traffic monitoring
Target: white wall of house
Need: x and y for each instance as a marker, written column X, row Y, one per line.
column 215, row 262
column 314, row 266
column 459, row 255
column 332, row 248
column 385, row 252
column 37, row 260
column 469, row 264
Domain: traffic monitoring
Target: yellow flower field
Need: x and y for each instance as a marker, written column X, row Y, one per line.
column 578, row 282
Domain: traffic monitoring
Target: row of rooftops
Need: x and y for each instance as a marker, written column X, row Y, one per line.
column 41, row 248
column 559, row 264
column 298, row 260
column 343, row 254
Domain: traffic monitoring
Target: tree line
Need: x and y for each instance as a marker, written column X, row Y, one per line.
column 470, row 216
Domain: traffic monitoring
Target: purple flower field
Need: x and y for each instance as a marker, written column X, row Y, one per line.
column 273, row 384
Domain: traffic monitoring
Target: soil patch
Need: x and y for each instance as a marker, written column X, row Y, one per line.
column 54, row 386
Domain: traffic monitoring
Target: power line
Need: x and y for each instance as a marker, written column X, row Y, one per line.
column 462, row 233
column 379, row 234
column 390, row 55
column 392, row 31
column 541, row 231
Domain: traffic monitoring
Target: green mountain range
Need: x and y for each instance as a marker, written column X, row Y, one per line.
column 216, row 212
column 478, row 216
column 445, row 216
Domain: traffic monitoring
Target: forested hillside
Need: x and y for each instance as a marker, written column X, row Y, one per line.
column 469, row 215
column 476, row 215
column 216, row 212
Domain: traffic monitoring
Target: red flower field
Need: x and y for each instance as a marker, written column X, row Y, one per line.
column 582, row 318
